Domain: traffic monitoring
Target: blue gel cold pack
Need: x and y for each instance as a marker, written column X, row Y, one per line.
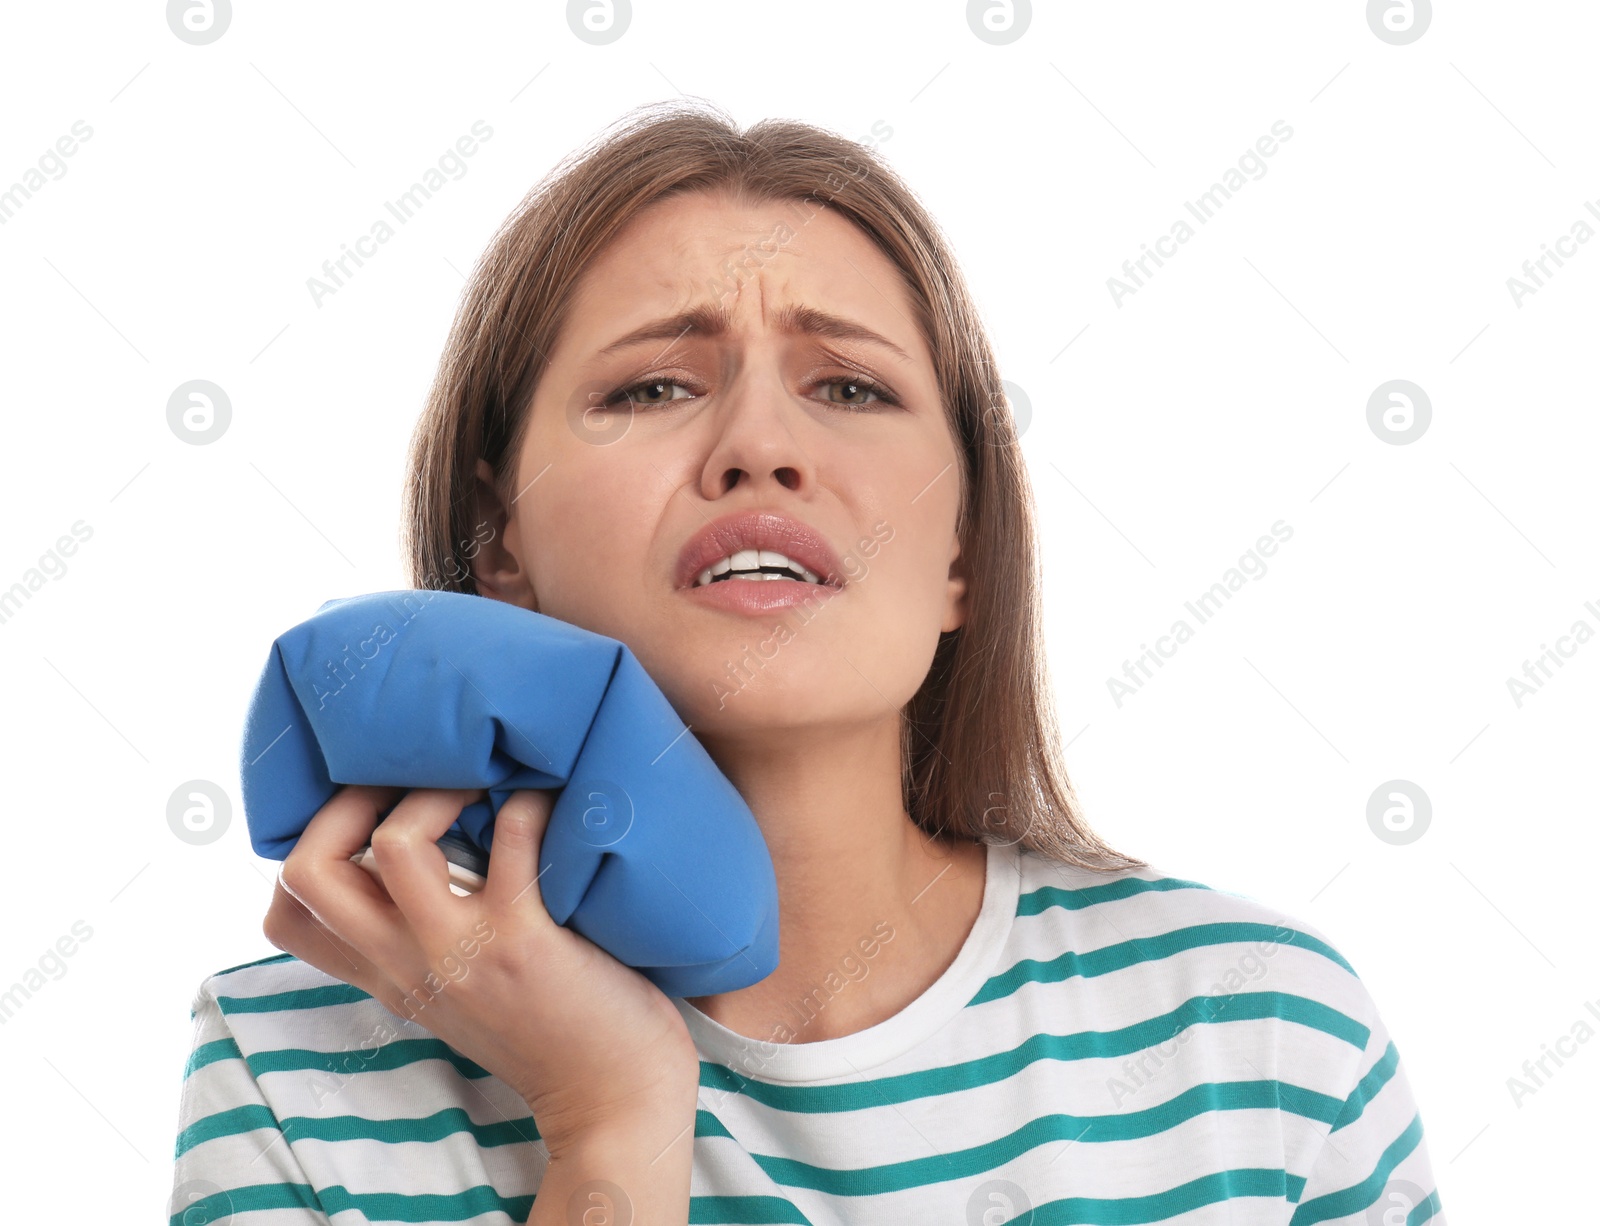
column 650, row 851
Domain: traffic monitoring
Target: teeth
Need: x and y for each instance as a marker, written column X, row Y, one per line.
column 752, row 560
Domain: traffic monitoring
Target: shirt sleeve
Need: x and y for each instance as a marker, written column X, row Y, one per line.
column 232, row 1162
column 1373, row 1168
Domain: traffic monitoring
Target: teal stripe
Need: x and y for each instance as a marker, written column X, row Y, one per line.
column 1046, row 896
column 754, row 1209
column 373, row 1206
column 220, row 1206
column 425, row 1207
column 1045, row 1130
column 244, row 966
column 1425, row 1211
column 1124, row 954
column 300, row 998
column 1367, row 1088
column 1131, row 1210
column 474, row 1201
column 708, row 1125
column 224, row 1124
column 435, row 1127
column 210, row 1053
column 1352, row 1200
column 397, row 1053
column 1249, row 1006
column 1083, row 1045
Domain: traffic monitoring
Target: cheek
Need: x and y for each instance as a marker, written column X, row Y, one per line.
column 902, row 549
column 895, row 625
column 900, row 566
column 588, row 531
column 909, row 573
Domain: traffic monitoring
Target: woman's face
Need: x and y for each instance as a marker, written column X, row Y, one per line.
column 772, row 412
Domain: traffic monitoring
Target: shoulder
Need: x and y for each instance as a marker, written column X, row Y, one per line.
column 1189, row 987
column 262, row 978
column 284, row 1052
column 303, row 1035
column 1195, row 945
column 274, row 984
column 282, row 1015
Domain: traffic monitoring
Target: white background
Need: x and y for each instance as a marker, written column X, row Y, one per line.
column 1226, row 394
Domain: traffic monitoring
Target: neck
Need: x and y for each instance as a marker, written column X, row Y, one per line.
column 871, row 910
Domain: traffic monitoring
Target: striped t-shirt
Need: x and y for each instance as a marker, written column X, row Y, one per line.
column 1105, row 1048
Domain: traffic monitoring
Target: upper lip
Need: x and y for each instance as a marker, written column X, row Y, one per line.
column 727, row 535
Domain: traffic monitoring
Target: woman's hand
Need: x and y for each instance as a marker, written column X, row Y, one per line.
column 588, row 1042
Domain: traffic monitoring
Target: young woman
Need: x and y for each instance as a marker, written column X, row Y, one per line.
column 688, row 344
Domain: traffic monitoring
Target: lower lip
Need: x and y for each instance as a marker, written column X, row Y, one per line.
column 760, row 595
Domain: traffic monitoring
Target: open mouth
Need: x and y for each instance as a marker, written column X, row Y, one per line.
column 756, row 565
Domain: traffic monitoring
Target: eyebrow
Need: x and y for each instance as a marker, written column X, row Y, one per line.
column 714, row 320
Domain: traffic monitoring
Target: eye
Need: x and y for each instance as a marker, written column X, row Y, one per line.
column 859, row 384
column 648, row 392
column 857, row 389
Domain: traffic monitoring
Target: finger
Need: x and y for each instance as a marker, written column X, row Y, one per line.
column 341, row 895
column 293, row 929
column 513, row 877
column 415, row 872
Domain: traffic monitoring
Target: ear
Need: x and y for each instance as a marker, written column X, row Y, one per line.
column 495, row 550
column 955, row 612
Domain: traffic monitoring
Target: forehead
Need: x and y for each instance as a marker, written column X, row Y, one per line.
column 750, row 259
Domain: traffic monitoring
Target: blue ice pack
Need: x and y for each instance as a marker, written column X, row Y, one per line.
column 650, row 851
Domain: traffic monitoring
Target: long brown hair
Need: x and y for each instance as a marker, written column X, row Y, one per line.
column 980, row 748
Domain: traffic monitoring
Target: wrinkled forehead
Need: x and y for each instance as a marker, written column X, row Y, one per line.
column 729, row 267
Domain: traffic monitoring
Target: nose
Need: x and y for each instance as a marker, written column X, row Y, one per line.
column 755, row 441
